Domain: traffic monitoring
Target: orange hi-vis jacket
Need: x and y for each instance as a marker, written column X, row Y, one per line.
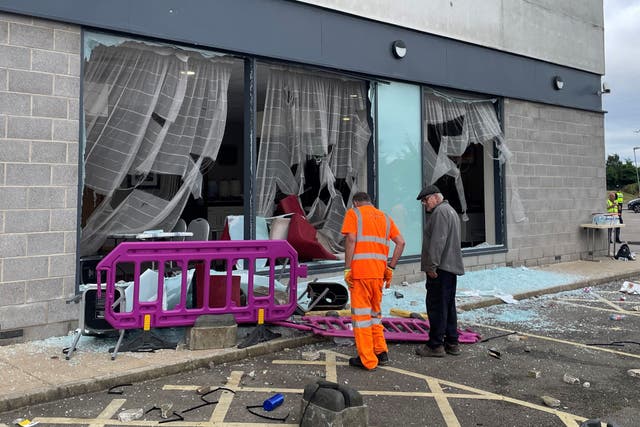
column 373, row 229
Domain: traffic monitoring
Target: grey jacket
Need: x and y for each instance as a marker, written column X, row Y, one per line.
column 441, row 241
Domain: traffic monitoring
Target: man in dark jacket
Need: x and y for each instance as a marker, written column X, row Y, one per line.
column 442, row 263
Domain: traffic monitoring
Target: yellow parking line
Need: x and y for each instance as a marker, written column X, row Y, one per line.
column 109, row 411
column 331, row 371
column 607, row 302
column 620, row 310
column 576, row 344
column 443, row 404
column 486, row 395
column 83, row 422
column 225, row 399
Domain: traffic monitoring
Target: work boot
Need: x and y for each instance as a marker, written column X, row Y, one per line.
column 357, row 363
column 383, row 358
column 452, row 349
column 426, row 351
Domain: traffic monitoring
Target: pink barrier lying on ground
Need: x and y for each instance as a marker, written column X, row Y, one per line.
column 395, row 328
column 202, row 255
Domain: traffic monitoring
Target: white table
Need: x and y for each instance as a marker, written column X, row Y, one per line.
column 151, row 236
column 591, row 239
column 163, row 235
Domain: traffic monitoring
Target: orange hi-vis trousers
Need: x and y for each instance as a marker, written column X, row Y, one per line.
column 366, row 319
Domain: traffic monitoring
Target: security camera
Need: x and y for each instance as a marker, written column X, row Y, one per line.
column 605, row 87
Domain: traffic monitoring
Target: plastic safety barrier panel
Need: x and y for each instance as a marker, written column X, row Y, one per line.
column 395, row 329
column 171, row 284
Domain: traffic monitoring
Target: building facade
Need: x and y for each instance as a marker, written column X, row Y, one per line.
column 496, row 102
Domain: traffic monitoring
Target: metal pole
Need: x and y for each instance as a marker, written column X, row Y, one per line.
column 636, row 162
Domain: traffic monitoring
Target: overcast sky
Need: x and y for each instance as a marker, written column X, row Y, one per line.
column 622, row 62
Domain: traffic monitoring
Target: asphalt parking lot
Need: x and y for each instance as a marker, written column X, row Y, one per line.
column 493, row 383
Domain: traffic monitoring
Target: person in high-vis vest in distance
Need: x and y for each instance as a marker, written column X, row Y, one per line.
column 620, row 202
column 368, row 232
column 613, row 210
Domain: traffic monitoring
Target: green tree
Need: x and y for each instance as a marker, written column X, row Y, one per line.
column 619, row 174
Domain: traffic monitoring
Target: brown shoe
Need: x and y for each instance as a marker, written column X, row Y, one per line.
column 426, row 351
column 452, row 349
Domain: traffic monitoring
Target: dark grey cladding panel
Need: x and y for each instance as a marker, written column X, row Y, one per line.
column 302, row 33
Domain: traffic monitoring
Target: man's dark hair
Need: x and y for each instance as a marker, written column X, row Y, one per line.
column 361, row 196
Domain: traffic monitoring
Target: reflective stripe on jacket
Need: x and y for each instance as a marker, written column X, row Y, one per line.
column 372, row 243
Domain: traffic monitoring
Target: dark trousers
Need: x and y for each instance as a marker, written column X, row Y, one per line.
column 441, row 308
column 617, row 235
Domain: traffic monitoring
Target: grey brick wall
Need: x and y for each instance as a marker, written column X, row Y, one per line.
column 39, row 97
column 558, row 170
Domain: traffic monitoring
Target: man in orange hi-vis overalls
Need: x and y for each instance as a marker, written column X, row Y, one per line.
column 367, row 233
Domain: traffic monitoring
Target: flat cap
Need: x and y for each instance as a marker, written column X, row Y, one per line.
column 427, row 191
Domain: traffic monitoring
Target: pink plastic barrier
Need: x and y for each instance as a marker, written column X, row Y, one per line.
column 395, row 329
column 202, row 255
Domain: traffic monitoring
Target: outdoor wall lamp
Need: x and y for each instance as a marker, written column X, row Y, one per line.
column 605, row 89
column 558, row 83
column 399, row 49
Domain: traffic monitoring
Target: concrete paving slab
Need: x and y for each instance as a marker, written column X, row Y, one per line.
column 16, row 381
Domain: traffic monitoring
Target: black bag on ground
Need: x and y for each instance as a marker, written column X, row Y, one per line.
column 624, row 253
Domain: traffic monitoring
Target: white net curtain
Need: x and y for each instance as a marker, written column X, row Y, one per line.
column 310, row 116
column 456, row 122
column 154, row 119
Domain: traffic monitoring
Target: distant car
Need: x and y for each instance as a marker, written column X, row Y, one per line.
column 634, row 205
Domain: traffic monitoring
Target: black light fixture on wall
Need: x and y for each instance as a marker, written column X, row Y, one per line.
column 399, row 49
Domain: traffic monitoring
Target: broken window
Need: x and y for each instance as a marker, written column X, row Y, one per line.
column 154, row 118
column 461, row 134
column 313, row 144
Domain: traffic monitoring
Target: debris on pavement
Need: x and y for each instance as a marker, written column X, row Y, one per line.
column 533, row 373
column 204, row 389
column 630, row 288
column 634, row 373
column 113, row 390
column 494, row 353
column 164, row 408
column 343, row 342
column 507, row 298
column 586, row 384
column 310, row 355
column 551, row 402
column 24, row 422
column 129, row 415
column 569, row 379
